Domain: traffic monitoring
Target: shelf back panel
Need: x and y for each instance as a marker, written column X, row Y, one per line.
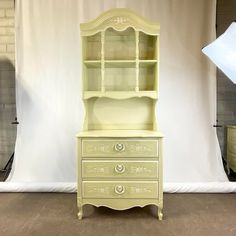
column 120, row 44
column 92, row 78
column 92, row 47
column 147, row 46
column 133, row 113
column 120, row 79
column 147, row 78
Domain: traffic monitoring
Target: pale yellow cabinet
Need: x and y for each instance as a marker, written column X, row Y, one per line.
column 231, row 148
column 120, row 147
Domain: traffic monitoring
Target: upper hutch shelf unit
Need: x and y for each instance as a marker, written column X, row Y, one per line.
column 120, row 147
column 120, row 53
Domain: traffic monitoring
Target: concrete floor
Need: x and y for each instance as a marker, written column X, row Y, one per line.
column 55, row 214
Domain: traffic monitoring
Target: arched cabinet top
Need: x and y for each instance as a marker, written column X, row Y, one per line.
column 119, row 19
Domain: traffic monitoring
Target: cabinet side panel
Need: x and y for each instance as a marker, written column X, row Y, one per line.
column 79, row 168
column 160, row 197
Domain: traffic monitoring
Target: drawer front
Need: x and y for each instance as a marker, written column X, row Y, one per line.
column 119, row 169
column 231, row 135
column 231, row 147
column 231, row 158
column 120, row 189
column 232, row 138
column 119, row 148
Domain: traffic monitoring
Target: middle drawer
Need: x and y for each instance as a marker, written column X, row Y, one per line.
column 119, row 169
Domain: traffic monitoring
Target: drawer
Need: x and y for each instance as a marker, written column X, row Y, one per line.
column 120, row 189
column 232, row 138
column 119, row 148
column 119, row 169
column 231, row 135
column 231, row 147
column 231, row 157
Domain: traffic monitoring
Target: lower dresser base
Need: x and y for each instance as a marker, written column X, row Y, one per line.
column 120, row 204
column 120, row 172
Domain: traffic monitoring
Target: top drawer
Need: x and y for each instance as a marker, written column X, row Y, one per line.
column 119, row 148
column 231, row 135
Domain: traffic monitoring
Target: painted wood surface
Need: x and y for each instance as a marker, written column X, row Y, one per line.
column 120, row 189
column 119, row 169
column 120, row 147
column 231, row 148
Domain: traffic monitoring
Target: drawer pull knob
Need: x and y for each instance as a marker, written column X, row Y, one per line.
column 120, row 168
column 119, row 147
column 119, row 189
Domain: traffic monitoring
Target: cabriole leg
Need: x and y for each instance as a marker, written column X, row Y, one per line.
column 80, row 210
column 159, row 213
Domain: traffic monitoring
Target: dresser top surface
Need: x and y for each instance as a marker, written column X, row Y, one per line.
column 121, row 133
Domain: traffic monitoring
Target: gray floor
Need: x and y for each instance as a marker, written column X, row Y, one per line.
column 55, row 214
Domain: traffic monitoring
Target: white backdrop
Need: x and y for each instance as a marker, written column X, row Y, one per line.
column 50, row 110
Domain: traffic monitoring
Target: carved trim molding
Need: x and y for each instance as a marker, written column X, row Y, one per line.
column 119, row 19
column 140, row 170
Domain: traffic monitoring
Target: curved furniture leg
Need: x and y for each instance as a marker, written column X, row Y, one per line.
column 159, row 213
column 80, row 210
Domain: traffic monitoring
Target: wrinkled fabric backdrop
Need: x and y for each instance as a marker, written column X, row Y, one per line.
column 50, row 108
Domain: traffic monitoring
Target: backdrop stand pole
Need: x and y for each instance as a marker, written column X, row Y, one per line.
column 8, row 166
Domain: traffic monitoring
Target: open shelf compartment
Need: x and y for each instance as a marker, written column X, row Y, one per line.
column 120, row 76
column 120, row 45
column 92, row 47
column 92, row 76
column 147, row 77
column 147, row 46
column 120, row 61
column 132, row 113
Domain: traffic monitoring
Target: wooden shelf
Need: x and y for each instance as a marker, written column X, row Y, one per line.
column 93, row 63
column 120, row 133
column 119, row 63
column 120, row 94
column 145, row 63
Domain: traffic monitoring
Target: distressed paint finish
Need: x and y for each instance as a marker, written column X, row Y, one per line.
column 120, row 147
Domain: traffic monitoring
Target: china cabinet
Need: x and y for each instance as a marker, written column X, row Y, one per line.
column 231, row 148
column 120, row 147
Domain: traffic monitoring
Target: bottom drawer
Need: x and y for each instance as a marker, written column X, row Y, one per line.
column 231, row 158
column 120, row 189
